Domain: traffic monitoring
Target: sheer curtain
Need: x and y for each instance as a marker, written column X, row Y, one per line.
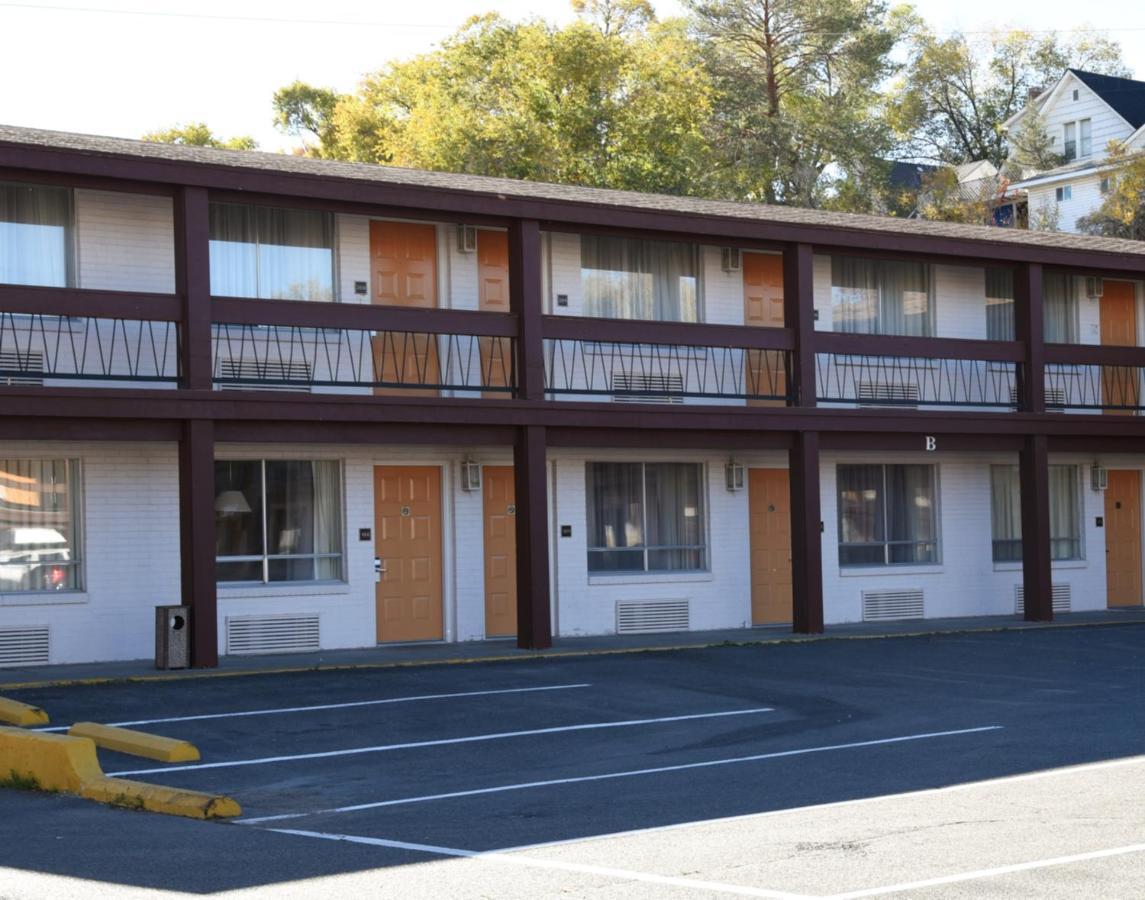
column 674, row 517
column 1065, row 517
column 1000, row 304
column 905, row 298
column 615, row 517
column 35, row 235
column 1059, row 306
column 1006, row 513
column 234, row 251
column 854, row 295
column 879, row 297
column 861, row 523
column 328, row 519
column 624, row 278
column 910, row 515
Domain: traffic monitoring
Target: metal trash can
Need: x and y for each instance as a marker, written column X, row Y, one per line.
column 172, row 637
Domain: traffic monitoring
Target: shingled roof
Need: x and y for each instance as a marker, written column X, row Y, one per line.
column 1126, row 96
column 502, row 188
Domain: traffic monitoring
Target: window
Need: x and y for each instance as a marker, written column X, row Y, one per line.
column 1070, row 139
column 275, row 254
column 1075, row 93
column 1085, row 137
column 278, row 520
column 39, row 525
column 887, row 515
column 624, row 278
column 1059, row 308
column 645, row 517
column 880, row 297
column 1000, row 304
column 1106, row 185
column 1006, row 513
column 1064, row 193
column 35, row 235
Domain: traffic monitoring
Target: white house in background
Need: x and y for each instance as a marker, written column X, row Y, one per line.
column 1083, row 113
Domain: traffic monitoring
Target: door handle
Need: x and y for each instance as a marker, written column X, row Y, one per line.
column 379, row 569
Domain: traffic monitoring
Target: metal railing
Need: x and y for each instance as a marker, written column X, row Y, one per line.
column 869, row 380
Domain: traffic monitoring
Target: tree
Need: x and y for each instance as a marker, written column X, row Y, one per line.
column 955, row 93
column 945, row 199
column 1031, row 147
column 301, row 109
column 197, row 134
column 1122, row 213
column 797, row 109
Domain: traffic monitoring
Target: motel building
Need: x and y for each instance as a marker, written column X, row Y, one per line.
column 330, row 405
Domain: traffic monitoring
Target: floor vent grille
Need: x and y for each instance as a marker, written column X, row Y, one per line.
column 248, row 635
column 884, row 606
column 249, row 375
column 1062, row 598
column 651, row 616
column 19, row 367
column 27, row 645
column 631, row 387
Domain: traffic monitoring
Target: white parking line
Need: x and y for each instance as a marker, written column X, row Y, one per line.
column 496, row 736
column 357, row 703
column 497, row 856
column 611, row 775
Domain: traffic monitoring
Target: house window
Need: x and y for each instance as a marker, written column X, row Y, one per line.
column 39, row 525
column 1106, row 185
column 277, row 521
column 35, row 235
column 1064, row 193
column 270, row 253
column 1085, row 137
column 1075, row 93
column 880, row 297
column 626, row 278
column 645, row 517
column 887, row 515
column 1059, row 308
column 1000, row 304
column 1006, row 513
column 1070, row 140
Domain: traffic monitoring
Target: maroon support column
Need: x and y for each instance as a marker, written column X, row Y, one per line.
column 193, row 284
column 1029, row 328
column 526, row 302
column 197, row 538
column 799, row 316
column 1037, row 577
column 806, row 535
column 534, row 622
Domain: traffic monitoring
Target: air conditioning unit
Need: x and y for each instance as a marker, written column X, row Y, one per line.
column 466, row 239
column 1094, row 287
column 730, row 259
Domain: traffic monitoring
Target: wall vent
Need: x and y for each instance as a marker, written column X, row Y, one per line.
column 887, row 606
column 25, row 645
column 246, row 371
column 647, row 388
column 247, row 635
column 1062, row 597
column 875, row 393
column 1055, row 397
column 21, row 367
column 651, row 616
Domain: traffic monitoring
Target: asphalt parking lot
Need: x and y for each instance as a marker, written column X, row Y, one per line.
column 840, row 768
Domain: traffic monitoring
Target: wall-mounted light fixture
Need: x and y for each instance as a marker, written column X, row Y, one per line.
column 1099, row 477
column 466, row 239
column 733, row 476
column 470, row 475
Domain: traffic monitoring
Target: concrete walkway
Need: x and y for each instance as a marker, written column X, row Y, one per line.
column 501, row 650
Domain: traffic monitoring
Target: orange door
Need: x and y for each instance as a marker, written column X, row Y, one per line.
column 763, row 307
column 500, row 551
column 769, row 511
column 407, row 521
column 493, row 296
column 1120, row 386
column 1123, row 538
column 403, row 259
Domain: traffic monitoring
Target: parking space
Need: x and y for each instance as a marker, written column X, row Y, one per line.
column 844, row 768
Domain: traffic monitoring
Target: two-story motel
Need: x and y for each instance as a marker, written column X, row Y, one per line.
column 329, row 405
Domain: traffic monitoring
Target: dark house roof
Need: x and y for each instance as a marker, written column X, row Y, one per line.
column 908, row 176
column 1126, row 96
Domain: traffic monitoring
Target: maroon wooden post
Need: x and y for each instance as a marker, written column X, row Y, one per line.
column 193, row 284
column 534, row 620
column 1037, row 574
column 799, row 316
column 1029, row 329
column 526, row 303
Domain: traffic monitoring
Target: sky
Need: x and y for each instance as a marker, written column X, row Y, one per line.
column 124, row 67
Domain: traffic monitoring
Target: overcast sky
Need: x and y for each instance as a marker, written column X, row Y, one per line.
column 219, row 61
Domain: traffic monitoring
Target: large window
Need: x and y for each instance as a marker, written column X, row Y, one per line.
column 623, row 278
column 269, row 253
column 887, row 515
column 645, row 517
column 1059, row 307
column 278, row 520
column 880, row 297
column 1006, row 513
column 1070, row 130
column 35, row 235
column 39, row 525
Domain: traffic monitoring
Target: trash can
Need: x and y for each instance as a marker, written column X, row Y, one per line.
column 172, row 637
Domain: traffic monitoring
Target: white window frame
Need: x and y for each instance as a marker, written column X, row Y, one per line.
column 1079, row 524
column 886, row 544
column 77, row 522
column 1084, row 138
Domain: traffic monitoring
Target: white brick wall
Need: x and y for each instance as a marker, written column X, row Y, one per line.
column 125, row 242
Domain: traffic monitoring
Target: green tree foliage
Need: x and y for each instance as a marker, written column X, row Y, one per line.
column 1031, row 147
column 197, row 134
column 1122, row 213
column 796, row 117
column 308, row 112
column 955, row 93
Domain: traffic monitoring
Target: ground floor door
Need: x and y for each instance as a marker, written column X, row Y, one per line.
column 500, row 551
column 407, row 521
column 769, row 509
column 1123, row 538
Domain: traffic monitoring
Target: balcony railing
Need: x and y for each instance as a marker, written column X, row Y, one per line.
column 1081, row 378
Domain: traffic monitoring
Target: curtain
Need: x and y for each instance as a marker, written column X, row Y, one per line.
column 38, row 531
column 615, row 517
column 238, row 520
column 861, row 512
column 328, row 519
column 1000, row 304
column 674, row 517
column 624, row 278
column 910, row 514
column 270, row 253
column 877, row 297
column 35, row 235
column 1065, row 515
column 1006, row 513
column 1059, row 306
column 854, row 295
column 905, row 298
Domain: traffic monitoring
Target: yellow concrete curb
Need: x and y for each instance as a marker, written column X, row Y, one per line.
column 136, row 743
column 35, row 760
column 21, row 714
